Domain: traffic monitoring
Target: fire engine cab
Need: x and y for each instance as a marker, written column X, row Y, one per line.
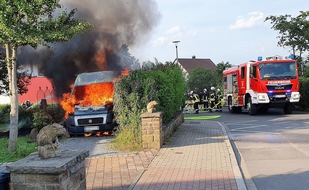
column 259, row 85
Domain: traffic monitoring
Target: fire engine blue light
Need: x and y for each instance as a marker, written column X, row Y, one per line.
column 270, row 92
column 291, row 56
column 288, row 91
column 260, row 58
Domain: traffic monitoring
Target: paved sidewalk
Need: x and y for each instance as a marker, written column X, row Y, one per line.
column 116, row 172
column 198, row 156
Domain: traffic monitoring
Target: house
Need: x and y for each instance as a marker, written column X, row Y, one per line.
column 40, row 87
column 188, row 64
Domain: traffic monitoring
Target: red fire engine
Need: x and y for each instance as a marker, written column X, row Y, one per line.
column 259, row 85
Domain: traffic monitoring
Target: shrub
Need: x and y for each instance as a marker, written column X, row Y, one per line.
column 56, row 112
column 4, row 113
column 41, row 118
column 163, row 83
column 304, row 94
column 27, row 117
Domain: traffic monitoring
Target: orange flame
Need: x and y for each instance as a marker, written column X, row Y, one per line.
column 90, row 95
column 125, row 72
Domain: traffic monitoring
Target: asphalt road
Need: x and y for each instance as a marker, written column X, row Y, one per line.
column 273, row 148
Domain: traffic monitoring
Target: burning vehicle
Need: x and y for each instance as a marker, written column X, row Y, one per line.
column 89, row 106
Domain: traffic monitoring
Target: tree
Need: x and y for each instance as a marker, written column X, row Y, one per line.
column 222, row 66
column 293, row 33
column 127, row 60
column 149, row 64
column 31, row 23
column 23, row 79
column 201, row 78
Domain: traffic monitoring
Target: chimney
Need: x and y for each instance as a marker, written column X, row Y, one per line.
column 193, row 56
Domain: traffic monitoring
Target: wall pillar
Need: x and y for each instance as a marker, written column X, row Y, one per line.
column 152, row 137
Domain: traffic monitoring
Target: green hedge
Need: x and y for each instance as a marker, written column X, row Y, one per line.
column 304, row 94
column 26, row 118
column 163, row 83
column 4, row 113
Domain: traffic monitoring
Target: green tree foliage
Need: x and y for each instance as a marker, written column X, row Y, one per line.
column 26, row 22
column 293, row 32
column 23, row 79
column 222, row 66
column 304, row 94
column 127, row 58
column 201, row 78
column 150, row 64
column 162, row 82
column 306, row 71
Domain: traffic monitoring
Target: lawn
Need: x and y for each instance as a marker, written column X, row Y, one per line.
column 204, row 117
column 25, row 146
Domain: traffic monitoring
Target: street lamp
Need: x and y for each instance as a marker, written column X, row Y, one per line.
column 176, row 45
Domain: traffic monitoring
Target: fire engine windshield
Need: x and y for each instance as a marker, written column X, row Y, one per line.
column 275, row 71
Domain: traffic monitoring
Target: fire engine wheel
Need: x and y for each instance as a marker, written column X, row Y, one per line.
column 231, row 108
column 251, row 107
column 229, row 102
column 288, row 108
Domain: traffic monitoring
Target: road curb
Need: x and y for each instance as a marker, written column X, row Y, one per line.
column 250, row 185
column 240, row 181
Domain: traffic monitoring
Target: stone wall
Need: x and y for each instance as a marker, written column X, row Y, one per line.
column 66, row 172
column 172, row 125
column 154, row 134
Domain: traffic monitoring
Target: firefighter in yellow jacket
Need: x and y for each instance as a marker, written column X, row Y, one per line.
column 196, row 99
column 219, row 98
column 204, row 99
column 212, row 98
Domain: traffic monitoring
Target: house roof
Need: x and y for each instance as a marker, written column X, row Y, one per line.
column 192, row 63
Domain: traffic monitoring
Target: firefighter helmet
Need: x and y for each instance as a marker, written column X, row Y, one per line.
column 212, row 88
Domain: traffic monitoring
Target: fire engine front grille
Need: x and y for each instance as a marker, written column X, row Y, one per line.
column 279, row 87
column 90, row 121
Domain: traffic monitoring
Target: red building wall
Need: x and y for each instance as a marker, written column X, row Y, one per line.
column 39, row 88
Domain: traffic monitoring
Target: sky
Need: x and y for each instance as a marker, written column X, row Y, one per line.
column 221, row 30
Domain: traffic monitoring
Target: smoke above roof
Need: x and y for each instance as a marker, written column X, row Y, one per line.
column 117, row 25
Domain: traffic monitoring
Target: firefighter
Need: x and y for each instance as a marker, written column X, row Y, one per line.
column 218, row 100
column 204, row 99
column 196, row 99
column 190, row 100
column 212, row 98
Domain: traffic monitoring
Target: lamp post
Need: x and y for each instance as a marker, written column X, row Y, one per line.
column 176, row 45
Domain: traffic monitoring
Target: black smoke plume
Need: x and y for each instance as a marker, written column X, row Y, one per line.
column 116, row 22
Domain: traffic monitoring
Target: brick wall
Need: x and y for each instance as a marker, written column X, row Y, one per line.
column 154, row 134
